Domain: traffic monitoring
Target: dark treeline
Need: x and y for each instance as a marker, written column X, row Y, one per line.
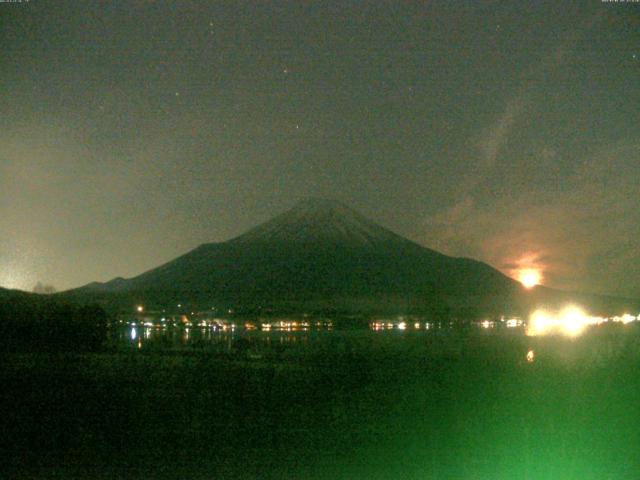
column 35, row 323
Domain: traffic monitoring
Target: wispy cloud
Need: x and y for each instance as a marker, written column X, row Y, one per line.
column 573, row 236
column 491, row 141
column 572, row 232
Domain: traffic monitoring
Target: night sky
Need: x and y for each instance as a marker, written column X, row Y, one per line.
column 133, row 131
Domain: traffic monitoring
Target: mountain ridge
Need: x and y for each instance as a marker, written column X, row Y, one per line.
column 321, row 255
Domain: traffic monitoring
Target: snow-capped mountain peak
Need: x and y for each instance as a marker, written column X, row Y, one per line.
column 320, row 220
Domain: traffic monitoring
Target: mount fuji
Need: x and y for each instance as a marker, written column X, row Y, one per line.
column 320, row 256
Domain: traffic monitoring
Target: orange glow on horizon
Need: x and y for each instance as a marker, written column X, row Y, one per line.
column 529, row 277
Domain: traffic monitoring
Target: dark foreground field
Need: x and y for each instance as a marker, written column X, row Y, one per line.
column 370, row 406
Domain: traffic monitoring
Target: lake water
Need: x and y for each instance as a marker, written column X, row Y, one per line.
column 410, row 338
column 328, row 403
column 218, row 335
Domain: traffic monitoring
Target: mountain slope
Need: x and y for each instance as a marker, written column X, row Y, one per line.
column 320, row 221
column 320, row 255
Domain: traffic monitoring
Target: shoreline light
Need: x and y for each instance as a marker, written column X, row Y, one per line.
column 570, row 321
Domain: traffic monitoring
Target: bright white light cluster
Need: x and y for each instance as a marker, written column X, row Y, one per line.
column 626, row 318
column 570, row 321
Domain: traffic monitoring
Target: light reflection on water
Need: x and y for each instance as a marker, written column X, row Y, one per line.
column 170, row 338
column 286, row 338
column 410, row 339
column 231, row 335
column 250, row 336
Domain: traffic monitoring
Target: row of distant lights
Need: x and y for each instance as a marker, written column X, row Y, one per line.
column 570, row 321
column 140, row 309
column 219, row 324
column 379, row 325
column 509, row 323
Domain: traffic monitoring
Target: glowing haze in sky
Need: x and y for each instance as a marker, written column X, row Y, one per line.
column 131, row 132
